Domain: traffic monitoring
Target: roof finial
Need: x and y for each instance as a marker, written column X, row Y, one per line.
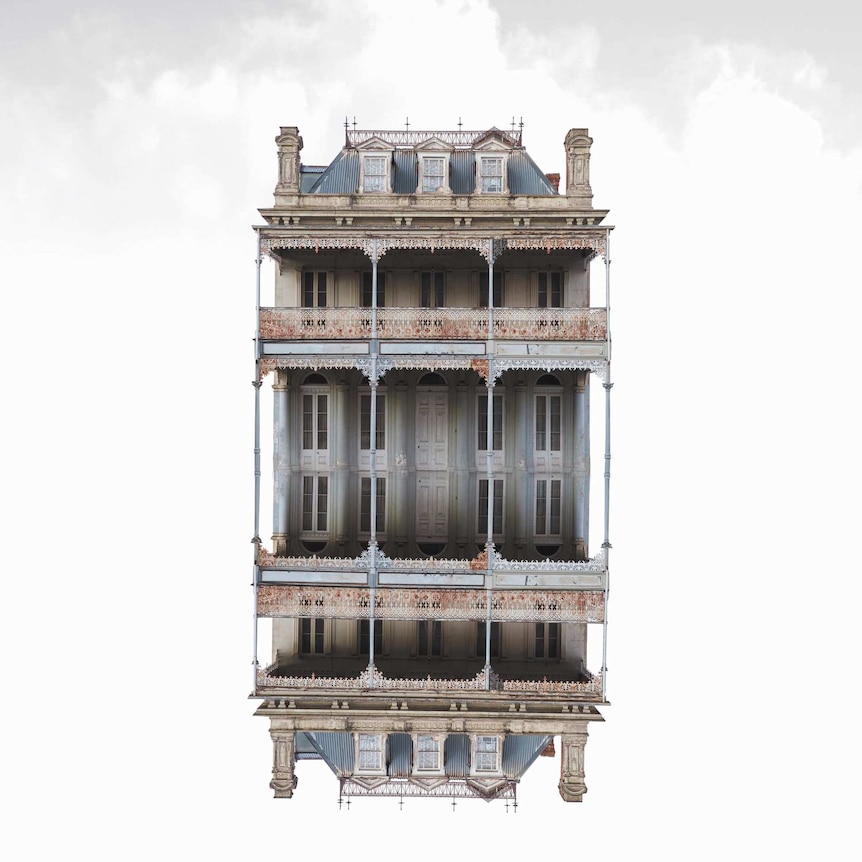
column 346, row 144
column 521, row 130
column 407, row 123
column 459, row 124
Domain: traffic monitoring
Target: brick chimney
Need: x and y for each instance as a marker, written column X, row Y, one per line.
column 554, row 180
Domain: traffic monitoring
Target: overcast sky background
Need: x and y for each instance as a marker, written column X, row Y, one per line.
column 137, row 146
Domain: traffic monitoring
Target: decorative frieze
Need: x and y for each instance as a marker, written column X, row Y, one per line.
column 599, row 367
column 592, row 241
column 417, row 603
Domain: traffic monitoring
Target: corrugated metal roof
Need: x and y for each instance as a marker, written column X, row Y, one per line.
column 406, row 175
column 462, row 179
column 525, row 178
column 341, row 177
column 336, row 749
column 519, row 752
column 400, row 755
column 456, row 755
column 305, row 749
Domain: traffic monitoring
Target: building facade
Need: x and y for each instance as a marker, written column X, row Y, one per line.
column 431, row 348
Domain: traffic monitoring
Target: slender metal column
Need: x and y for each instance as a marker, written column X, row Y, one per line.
column 256, row 383
column 372, row 543
column 489, row 466
column 608, row 385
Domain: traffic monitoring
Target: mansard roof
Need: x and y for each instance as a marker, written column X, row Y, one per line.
column 341, row 177
column 337, row 749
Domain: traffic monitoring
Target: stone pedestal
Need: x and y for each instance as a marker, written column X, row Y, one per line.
column 283, row 760
column 572, row 787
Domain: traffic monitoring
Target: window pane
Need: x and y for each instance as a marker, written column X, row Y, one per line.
column 322, row 482
column 365, row 505
column 365, row 422
column 305, row 636
column 555, row 423
column 540, row 640
column 322, row 407
column 427, row 752
column 381, row 505
column 541, row 423
column 497, row 515
column 307, row 421
column 321, row 290
column 308, row 502
column 541, row 506
column 554, row 640
column 318, row 636
column 380, row 431
column 492, row 175
column 367, row 293
column 432, row 175
column 554, row 520
column 482, row 525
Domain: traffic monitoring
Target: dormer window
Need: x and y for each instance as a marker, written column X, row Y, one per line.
column 491, row 175
column 427, row 754
column 486, row 755
column 375, row 166
column 369, row 753
column 433, row 175
column 433, row 166
column 375, row 174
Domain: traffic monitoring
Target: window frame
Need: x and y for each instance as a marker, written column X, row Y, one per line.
column 477, row 743
column 379, row 768
column 315, row 288
column 544, row 636
column 434, row 290
column 365, row 506
column 499, row 288
column 313, row 516
column 546, row 398
column 438, row 741
column 429, row 638
column 546, row 293
column 365, row 426
column 486, row 178
column 443, row 185
column 545, row 528
column 496, row 639
column 315, row 421
column 316, row 634
column 376, row 182
column 482, row 422
column 363, row 642
column 499, row 507
column 366, row 289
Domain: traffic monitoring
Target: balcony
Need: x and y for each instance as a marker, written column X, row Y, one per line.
column 284, row 681
column 469, row 324
column 520, row 591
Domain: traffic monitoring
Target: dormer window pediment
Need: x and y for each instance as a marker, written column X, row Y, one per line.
column 492, row 161
column 433, row 166
column 375, row 166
